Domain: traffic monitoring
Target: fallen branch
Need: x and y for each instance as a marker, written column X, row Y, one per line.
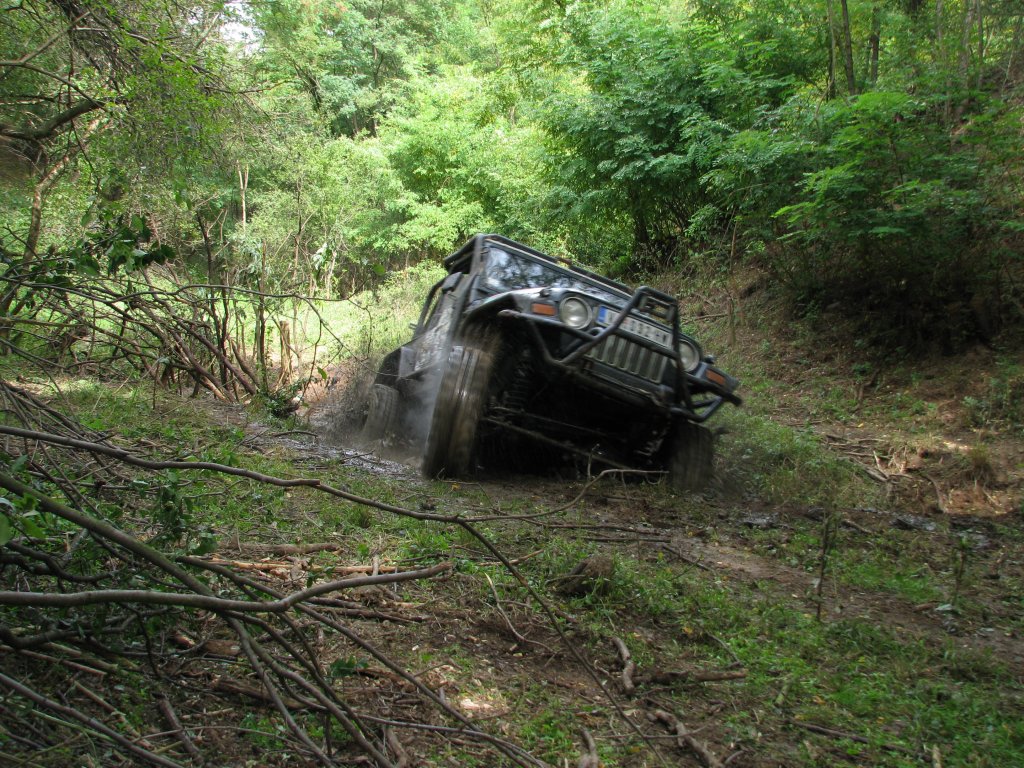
column 466, row 728
column 685, row 739
column 396, row 746
column 258, row 658
column 834, row 734
column 508, row 622
column 241, row 688
column 589, row 759
column 94, row 725
column 628, row 666
column 685, row 558
column 263, row 663
column 205, row 602
column 209, row 466
column 668, row 677
column 303, row 549
column 177, row 728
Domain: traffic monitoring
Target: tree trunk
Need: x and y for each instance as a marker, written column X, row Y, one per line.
column 1014, row 47
column 243, row 185
column 830, row 87
column 851, row 80
column 261, row 322
column 964, row 62
column 286, row 354
column 873, row 45
column 31, row 244
column 981, row 42
column 939, row 7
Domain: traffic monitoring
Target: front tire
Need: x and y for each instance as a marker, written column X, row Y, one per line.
column 458, row 408
column 691, row 453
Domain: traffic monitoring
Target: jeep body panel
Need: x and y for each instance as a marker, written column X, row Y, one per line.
column 574, row 359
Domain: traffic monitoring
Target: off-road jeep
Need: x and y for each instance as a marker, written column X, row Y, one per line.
column 518, row 355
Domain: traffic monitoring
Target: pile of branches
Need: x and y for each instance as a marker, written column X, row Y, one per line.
column 105, row 616
column 210, row 337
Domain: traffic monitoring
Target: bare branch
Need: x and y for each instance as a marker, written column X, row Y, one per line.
column 128, row 458
column 95, row 725
column 191, row 600
column 46, row 45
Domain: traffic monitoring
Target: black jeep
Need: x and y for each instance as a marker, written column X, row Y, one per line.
column 518, row 355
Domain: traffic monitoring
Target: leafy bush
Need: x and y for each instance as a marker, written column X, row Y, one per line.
column 892, row 224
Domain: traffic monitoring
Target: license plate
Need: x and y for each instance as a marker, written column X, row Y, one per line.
column 644, row 330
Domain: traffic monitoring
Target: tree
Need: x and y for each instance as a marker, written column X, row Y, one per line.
column 148, row 81
column 351, row 59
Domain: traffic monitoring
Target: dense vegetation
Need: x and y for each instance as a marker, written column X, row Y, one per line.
column 865, row 153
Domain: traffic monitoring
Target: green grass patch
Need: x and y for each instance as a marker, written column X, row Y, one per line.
column 786, row 465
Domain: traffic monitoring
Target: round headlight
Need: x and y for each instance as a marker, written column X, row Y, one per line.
column 575, row 312
column 689, row 354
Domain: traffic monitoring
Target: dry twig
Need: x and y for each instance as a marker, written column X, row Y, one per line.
column 686, row 739
column 628, row 666
column 589, row 759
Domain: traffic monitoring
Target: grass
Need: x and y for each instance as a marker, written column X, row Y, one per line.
column 785, row 465
column 852, row 674
column 1001, row 403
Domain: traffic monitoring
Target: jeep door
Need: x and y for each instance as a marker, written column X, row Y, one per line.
column 429, row 347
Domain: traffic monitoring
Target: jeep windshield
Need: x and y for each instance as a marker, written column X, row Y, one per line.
column 508, row 271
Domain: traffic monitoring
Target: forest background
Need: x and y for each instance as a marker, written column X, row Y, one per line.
column 865, row 156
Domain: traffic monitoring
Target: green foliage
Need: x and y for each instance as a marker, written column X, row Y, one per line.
column 338, row 142
column 890, row 220
column 662, row 98
column 20, row 517
column 712, row 133
column 351, row 59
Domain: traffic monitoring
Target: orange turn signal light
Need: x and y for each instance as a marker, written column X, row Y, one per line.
column 716, row 377
column 543, row 309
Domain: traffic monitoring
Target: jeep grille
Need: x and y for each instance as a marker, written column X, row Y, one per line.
column 621, row 353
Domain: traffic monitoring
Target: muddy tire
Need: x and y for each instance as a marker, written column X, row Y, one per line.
column 460, row 403
column 383, row 415
column 690, row 456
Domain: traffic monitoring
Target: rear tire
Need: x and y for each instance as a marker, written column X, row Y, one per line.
column 458, row 408
column 383, row 415
column 690, row 456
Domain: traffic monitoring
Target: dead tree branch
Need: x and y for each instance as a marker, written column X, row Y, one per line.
column 686, row 739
